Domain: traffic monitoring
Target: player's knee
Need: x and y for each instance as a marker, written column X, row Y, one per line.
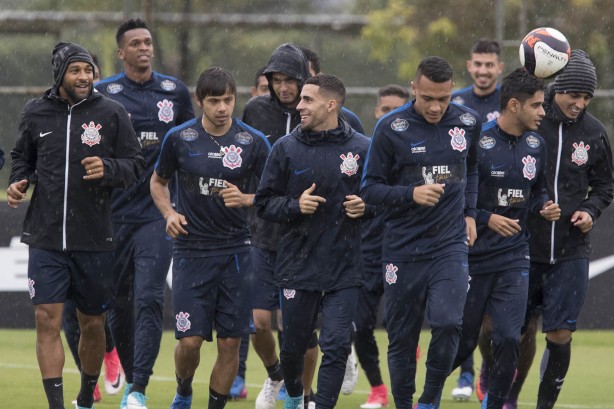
column 560, row 336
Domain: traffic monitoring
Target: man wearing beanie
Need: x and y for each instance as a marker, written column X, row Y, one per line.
column 579, row 177
column 74, row 146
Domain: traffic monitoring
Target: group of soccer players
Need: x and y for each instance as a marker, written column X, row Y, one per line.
column 471, row 209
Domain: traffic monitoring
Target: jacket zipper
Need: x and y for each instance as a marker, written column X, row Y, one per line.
column 556, row 190
column 288, row 123
column 66, row 160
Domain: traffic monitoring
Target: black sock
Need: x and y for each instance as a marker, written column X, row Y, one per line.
column 85, row 398
column 137, row 387
column 274, row 371
column 55, row 392
column 184, row 388
column 216, row 400
column 554, row 366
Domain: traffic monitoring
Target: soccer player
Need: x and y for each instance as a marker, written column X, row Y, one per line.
column 484, row 67
column 275, row 115
column 428, row 225
column 261, row 84
column 74, row 145
column 310, row 186
column 512, row 159
column 214, row 157
column 156, row 103
column 579, row 177
column 389, row 98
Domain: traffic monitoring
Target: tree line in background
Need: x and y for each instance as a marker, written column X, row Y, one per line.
column 398, row 33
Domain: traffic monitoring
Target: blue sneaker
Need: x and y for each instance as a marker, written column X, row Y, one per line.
column 425, row 406
column 181, row 402
column 281, row 395
column 136, row 400
column 238, row 389
column 124, row 402
column 293, row 403
column 485, row 402
column 464, row 387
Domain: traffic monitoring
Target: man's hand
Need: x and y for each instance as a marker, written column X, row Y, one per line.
column 16, row 193
column 175, row 223
column 308, row 202
column 94, row 168
column 354, row 206
column 428, row 195
column 233, row 197
column 582, row 221
column 503, row 226
column 472, row 231
column 551, row 211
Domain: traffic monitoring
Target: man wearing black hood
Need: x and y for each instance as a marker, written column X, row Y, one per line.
column 275, row 115
column 75, row 145
column 310, row 185
column 579, row 177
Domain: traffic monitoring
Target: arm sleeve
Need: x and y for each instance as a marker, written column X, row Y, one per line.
column 375, row 188
column 166, row 164
column 271, row 201
column 186, row 111
column 126, row 166
column 471, row 190
column 600, row 181
column 539, row 194
column 23, row 155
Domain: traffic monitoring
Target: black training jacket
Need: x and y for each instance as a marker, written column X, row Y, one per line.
column 67, row 212
column 578, row 177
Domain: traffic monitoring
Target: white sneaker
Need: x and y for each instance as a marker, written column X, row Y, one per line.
column 311, row 405
column 351, row 374
column 136, row 400
column 267, row 398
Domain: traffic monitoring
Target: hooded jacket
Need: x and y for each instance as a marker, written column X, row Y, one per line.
column 67, row 212
column 318, row 252
column 578, row 177
column 268, row 115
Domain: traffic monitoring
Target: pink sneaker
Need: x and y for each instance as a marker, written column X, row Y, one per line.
column 97, row 395
column 113, row 374
column 378, row 398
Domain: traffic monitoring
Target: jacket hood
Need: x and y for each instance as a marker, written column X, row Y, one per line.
column 554, row 112
column 289, row 60
column 335, row 136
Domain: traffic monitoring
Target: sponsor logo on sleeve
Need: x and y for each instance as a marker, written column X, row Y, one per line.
column 188, row 134
column 399, row 125
column 532, row 141
column 114, row 88
column 168, row 85
column 467, row 119
column 487, row 142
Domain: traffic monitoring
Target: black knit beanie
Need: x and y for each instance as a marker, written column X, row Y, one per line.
column 64, row 54
column 578, row 76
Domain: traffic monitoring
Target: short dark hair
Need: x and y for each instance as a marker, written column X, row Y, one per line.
column 435, row 69
column 313, row 58
column 127, row 26
column 259, row 73
column 329, row 85
column 394, row 90
column 215, row 81
column 520, row 85
column 486, row 46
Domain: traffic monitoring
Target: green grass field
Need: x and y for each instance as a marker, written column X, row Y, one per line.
column 589, row 384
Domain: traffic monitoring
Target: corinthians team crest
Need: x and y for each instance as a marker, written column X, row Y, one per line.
column 350, row 164
column 165, row 114
column 391, row 273
column 183, row 321
column 288, row 293
column 458, row 142
column 232, row 157
column 529, row 170
column 580, row 153
column 90, row 135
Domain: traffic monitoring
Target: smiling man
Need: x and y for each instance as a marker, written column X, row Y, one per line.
column 310, row 187
column 156, row 103
column 422, row 166
column 484, row 67
column 74, row 145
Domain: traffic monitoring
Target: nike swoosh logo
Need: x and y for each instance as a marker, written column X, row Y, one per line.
column 298, row 172
column 413, row 145
column 57, row 385
column 119, row 380
column 194, row 154
column 44, row 134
